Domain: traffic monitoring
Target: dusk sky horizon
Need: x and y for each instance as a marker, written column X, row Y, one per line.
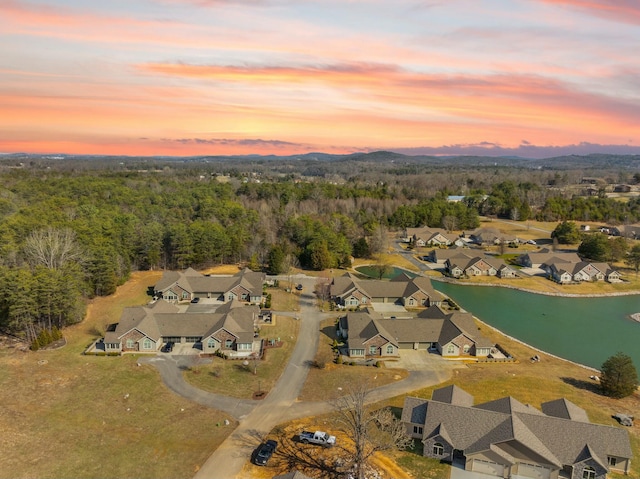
column 530, row 78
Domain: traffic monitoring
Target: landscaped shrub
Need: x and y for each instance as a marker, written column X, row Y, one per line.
column 378, row 364
column 339, row 359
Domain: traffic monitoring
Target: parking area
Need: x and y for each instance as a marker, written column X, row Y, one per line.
column 421, row 360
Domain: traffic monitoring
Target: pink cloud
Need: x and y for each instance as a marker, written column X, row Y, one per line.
column 626, row 11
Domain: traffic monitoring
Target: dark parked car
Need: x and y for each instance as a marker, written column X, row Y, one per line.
column 195, row 300
column 167, row 348
column 299, row 287
column 264, row 452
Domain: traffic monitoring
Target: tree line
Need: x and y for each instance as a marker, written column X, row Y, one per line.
column 75, row 230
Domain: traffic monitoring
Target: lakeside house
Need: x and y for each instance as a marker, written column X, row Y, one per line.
column 464, row 264
column 567, row 268
column 351, row 292
column 505, row 438
column 245, row 286
column 368, row 335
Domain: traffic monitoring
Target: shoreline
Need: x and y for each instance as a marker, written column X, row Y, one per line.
column 529, row 345
column 533, row 291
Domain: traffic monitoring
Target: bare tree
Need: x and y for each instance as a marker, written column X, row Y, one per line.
column 379, row 242
column 449, row 223
column 370, row 430
column 52, row 247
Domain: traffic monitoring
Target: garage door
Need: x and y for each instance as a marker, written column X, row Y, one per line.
column 533, row 470
column 405, row 345
column 488, row 467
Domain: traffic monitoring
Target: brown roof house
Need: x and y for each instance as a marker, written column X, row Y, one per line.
column 430, row 237
column 484, row 265
column 245, row 286
column 546, row 256
column 454, row 335
column 229, row 329
column 505, row 438
column 351, row 292
column 562, row 272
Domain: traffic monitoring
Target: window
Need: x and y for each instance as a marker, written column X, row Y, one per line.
column 588, row 473
column 373, row 349
column 451, row 349
column 146, row 344
column 357, row 352
column 228, row 343
column 389, row 349
column 417, row 429
column 130, row 343
column 466, row 348
column 438, row 449
column 185, row 295
column 611, row 461
column 211, row 343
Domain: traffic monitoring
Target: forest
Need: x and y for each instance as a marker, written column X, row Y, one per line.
column 72, row 229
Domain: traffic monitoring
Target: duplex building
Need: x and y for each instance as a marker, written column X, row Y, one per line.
column 505, row 438
column 351, row 292
column 368, row 335
column 245, row 286
column 228, row 329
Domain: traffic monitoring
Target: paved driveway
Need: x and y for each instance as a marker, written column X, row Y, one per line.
column 421, row 360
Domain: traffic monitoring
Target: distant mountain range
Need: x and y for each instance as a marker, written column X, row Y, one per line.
column 604, row 161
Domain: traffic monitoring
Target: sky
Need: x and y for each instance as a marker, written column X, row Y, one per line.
column 533, row 78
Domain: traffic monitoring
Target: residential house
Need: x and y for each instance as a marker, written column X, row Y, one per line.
column 563, row 272
column 245, row 286
column 430, row 237
column 491, row 236
column 351, row 292
column 546, row 256
column 628, row 231
column 485, row 265
column 505, row 438
column 454, row 335
column 440, row 256
column 229, row 328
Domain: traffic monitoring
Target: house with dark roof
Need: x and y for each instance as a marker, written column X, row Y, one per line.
column 538, row 259
column 562, row 272
column 484, row 265
column 430, row 237
column 505, row 438
column 351, row 292
column 245, row 286
column 228, row 329
column 454, row 335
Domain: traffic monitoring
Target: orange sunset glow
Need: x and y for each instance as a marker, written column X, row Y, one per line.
column 181, row 77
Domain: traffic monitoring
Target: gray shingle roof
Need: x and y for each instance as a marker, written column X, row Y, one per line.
column 453, row 395
column 516, row 431
column 197, row 283
column 564, row 409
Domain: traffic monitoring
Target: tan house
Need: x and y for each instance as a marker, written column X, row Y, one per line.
column 505, row 438
column 351, row 292
column 546, row 256
column 453, row 335
column 430, row 237
column 583, row 271
column 228, row 329
column 458, row 266
column 245, row 286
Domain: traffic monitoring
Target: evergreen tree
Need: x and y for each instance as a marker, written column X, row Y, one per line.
column 619, row 377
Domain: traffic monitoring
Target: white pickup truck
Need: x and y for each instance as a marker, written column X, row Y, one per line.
column 318, row 437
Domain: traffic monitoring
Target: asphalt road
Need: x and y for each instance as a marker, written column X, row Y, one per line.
column 258, row 418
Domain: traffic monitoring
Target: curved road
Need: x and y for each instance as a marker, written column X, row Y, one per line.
column 258, row 418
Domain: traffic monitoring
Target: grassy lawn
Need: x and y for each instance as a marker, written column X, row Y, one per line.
column 331, row 381
column 232, row 378
column 66, row 415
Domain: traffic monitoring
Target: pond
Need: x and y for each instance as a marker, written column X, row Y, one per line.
column 393, row 271
column 583, row 330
